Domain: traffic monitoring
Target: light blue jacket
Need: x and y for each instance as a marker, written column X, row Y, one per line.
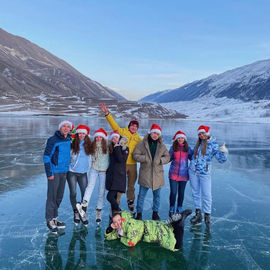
column 202, row 164
column 80, row 163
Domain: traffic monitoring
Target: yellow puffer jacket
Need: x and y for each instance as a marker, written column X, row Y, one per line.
column 133, row 139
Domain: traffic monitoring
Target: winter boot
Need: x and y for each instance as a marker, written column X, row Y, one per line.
column 52, row 226
column 131, row 206
column 82, row 208
column 139, row 216
column 173, row 218
column 207, row 220
column 197, row 218
column 155, row 216
column 76, row 217
column 171, row 212
column 98, row 216
column 59, row 224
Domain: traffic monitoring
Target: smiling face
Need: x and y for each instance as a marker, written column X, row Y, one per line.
column 133, row 128
column 202, row 136
column 181, row 140
column 116, row 222
column 115, row 139
column 82, row 136
column 98, row 139
column 154, row 135
column 65, row 129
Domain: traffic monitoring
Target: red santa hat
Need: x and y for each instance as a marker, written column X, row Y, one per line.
column 114, row 133
column 83, row 129
column 102, row 133
column 179, row 134
column 63, row 123
column 155, row 128
column 204, row 129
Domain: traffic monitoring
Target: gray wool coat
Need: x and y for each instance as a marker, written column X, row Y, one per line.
column 151, row 173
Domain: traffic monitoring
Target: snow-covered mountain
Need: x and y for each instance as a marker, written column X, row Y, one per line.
column 233, row 95
column 250, row 82
column 35, row 82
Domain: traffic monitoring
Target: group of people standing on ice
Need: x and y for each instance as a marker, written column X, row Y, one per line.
column 109, row 159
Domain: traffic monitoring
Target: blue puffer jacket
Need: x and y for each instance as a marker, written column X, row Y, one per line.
column 57, row 154
column 202, row 164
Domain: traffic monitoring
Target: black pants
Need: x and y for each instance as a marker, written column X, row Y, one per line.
column 178, row 230
column 74, row 178
column 55, row 193
column 112, row 198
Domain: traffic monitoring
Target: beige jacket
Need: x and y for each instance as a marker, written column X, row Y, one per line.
column 151, row 171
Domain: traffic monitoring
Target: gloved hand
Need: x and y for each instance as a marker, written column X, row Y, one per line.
column 223, row 148
column 123, row 142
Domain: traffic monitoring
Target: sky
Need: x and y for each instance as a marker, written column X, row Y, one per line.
column 140, row 47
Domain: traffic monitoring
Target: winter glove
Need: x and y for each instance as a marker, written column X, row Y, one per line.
column 123, row 142
column 223, row 148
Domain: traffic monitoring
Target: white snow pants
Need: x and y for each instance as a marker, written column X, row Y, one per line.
column 201, row 190
column 94, row 174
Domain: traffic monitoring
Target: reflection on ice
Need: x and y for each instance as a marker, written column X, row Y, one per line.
column 240, row 234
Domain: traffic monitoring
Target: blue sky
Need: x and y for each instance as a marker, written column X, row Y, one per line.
column 140, row 47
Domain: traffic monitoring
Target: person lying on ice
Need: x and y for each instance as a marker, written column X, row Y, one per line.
column 167, row 234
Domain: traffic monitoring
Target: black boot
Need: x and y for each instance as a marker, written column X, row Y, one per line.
column 155, row 216
column 197, row 218
column 207, row 220
column 76, row 217
column 139, row 216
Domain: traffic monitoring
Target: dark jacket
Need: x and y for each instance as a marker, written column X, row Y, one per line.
column 57, row 154
column 116, row 173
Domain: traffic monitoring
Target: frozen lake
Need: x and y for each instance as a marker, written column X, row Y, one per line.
column 240, row 235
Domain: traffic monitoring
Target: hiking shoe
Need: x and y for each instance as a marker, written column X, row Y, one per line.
column 197, row 218
column 155, row 216
column 76, row 217
column 59, row 224
column 98, row 215
column 173, row 218
column 207, row 220
column 52, row 226
column 139, row 216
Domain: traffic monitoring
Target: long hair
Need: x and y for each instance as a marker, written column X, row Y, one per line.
column 176, row 146
column 111, row 147
column 93, row 146
column 75, row 146
column 203, row 147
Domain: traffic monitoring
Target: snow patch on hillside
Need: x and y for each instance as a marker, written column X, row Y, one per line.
column 223, row 109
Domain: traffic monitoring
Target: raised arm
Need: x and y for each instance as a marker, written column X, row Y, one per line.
column 110, row 119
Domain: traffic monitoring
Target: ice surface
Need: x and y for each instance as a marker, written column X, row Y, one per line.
column 239, row 238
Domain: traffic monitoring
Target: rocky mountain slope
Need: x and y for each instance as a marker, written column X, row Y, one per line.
column 35, row 82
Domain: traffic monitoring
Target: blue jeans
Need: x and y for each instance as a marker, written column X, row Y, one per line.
column 201, row 190
column 94, row 174
column 142, row 195
column 177, row 187
column 72, row 179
